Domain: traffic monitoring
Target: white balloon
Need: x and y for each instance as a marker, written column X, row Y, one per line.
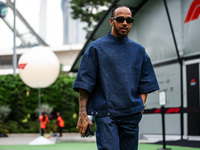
column 38, row 67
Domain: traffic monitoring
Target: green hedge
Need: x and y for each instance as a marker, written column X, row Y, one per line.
column 23, row 101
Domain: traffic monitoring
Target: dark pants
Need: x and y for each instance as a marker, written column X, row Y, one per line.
column 118, row 133
column 60, row 130
column 42, row 132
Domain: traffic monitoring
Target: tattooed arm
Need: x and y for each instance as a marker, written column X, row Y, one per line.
column 83, row 120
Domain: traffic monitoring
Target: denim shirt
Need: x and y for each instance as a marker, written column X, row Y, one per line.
column 115, row 72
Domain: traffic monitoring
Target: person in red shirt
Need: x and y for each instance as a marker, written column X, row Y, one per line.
column 60, row 123
column 43, row 121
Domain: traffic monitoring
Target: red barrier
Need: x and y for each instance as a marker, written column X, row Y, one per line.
column 173, row 110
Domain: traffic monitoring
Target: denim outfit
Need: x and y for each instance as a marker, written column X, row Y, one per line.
column 115, row 72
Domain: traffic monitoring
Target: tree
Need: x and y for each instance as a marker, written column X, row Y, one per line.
column 23, row 100
column 89, row 11
column 44, row 108
column 4, row 112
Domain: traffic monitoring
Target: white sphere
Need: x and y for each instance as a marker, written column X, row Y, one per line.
column 38, row 67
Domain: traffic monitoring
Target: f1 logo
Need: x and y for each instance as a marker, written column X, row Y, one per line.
column 22, row 66
column 193, row 12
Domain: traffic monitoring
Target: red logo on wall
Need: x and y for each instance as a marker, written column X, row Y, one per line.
column 193, row 82
column 193, row 12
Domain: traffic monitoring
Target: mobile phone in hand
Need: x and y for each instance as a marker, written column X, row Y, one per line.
column 89, row 131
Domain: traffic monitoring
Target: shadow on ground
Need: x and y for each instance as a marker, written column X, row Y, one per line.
column 185, row 143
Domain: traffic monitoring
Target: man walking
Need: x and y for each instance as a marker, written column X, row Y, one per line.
column 113, row 81
column 60, row 123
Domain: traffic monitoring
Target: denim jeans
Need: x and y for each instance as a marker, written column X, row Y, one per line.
column 118, row 132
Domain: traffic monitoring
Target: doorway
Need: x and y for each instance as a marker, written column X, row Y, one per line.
column 193, row 97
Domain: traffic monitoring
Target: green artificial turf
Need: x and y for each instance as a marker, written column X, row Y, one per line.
column 57, row 146
column 83, row 146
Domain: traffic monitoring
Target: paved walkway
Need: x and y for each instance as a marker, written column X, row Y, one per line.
column 25, row 139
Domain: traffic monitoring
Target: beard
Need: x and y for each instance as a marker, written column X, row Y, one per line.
column 120, row 35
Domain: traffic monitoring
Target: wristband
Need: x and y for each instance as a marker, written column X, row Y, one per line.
column 145, row 106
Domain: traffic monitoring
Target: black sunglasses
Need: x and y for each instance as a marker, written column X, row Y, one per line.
column 121, row 19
